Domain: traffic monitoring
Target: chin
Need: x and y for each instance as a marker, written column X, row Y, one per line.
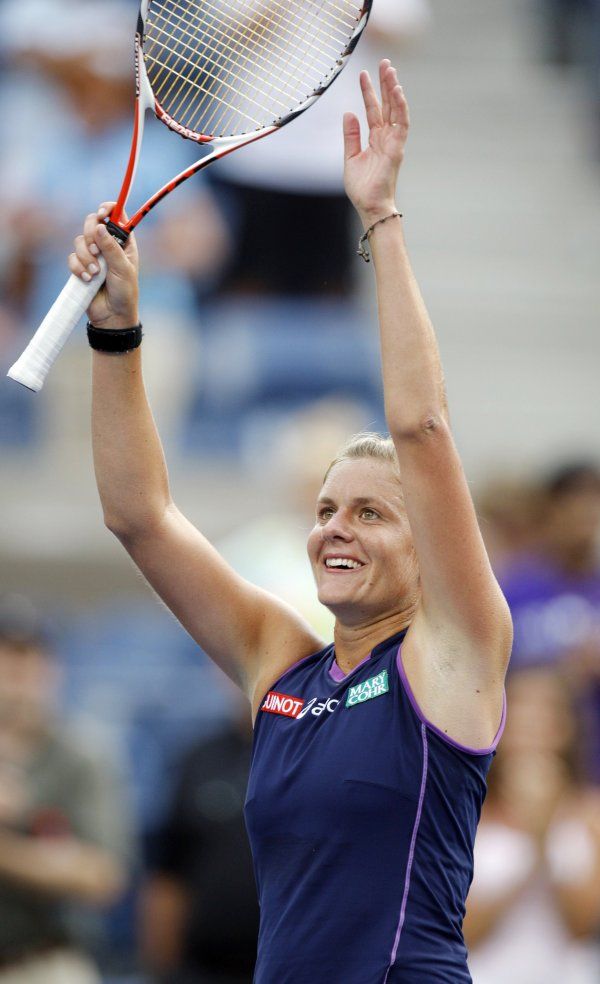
column 344, row 609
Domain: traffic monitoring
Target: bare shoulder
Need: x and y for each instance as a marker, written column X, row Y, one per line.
column 290, row 639
column 458, row 681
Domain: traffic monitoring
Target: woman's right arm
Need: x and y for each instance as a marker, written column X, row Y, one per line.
column 252, row 635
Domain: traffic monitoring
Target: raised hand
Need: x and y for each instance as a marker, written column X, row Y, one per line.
column 116, row 303
column 370, row 175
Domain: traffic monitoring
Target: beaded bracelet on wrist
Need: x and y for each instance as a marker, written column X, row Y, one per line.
column 363, row 243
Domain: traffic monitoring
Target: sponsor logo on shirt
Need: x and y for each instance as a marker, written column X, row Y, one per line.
column 373, row 687
column 296, row 707
column 282, row 704
column 316, row 706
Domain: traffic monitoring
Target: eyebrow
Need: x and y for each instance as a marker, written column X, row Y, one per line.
column 361, row 500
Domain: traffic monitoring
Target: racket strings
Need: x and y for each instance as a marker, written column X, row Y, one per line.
column 227, row 120
column 242, row 59
column 168, row 71
column 230, row 66
column 275, row 23
column 231, row 5
column 192, row 51
column 223, row 47
column 194, row 85
column 268, row 33
column 236, row 25
column 214, row 64
column 287, row 72
column 289, row 92
column 236, row 37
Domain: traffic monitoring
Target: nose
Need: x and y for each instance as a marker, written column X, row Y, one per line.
column 337, row 528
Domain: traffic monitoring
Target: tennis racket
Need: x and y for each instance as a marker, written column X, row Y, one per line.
column 223, row 73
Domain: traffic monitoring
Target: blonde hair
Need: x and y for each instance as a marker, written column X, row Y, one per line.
column 367, row 444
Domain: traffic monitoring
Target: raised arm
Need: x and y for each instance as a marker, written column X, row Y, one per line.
column 462, row 609
column 250, row 634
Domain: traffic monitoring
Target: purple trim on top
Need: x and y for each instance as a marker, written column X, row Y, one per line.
column 438, row 731
column 411, row 853
column 338, row 674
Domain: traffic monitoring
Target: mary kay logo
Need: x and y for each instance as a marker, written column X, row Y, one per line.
column 373, row 687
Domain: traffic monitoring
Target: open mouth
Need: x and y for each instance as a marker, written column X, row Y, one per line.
column 342, row 565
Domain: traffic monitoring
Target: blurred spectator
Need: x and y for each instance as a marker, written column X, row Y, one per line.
column 508, row 510
column 554, row 593
column 199, row 907
column 289, row 190
column 65, row 839
column 533, row 913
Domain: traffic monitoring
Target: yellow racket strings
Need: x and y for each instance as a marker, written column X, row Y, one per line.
column 227, row 43
column 225, row 67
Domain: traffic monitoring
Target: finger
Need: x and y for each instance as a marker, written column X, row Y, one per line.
column 111, row 250
column 389, row 82
column 86, row 257
column 105, row 209
column 104, row 212
column 78, row 268
column 385, row 89
column 89, row 231
column 372, row 106
column 400, row 113
column 108, row 209
column 352, row 143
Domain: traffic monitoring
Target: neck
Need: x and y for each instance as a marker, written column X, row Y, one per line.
column 354, row 642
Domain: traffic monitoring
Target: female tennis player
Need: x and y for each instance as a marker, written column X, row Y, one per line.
column 370, row 755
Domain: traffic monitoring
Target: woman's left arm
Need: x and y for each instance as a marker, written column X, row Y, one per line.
column 459, row 590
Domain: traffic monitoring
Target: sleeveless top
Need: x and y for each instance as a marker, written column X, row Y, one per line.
column 361, row 816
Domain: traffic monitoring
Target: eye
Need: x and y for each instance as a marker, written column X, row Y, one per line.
column 369, row 513
column 325, row 513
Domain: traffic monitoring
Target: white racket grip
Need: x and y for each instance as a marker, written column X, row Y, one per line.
column 32, row 367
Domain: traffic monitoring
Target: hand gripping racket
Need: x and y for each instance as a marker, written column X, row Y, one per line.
column 223, row 73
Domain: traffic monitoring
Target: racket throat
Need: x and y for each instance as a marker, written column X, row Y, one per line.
column 117, row 232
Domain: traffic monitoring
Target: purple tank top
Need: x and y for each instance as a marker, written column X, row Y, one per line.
column 361, row 816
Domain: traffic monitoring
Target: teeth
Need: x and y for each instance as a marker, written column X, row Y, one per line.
column 342, row 562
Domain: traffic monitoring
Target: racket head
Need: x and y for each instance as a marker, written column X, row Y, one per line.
column 220, row 70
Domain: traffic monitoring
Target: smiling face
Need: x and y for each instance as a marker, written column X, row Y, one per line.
column 361, row 549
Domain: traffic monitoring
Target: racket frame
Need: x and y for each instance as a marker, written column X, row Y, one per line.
column 32, row 367
column 146, row 100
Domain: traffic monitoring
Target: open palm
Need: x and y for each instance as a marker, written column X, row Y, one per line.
column 370, row 175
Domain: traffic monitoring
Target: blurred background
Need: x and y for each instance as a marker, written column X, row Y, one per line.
column 122, row 752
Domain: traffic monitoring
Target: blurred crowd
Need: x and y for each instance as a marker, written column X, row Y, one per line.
column 122, row 850
column 533, row 914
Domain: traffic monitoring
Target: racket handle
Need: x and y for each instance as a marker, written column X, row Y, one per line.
column 34, row 364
